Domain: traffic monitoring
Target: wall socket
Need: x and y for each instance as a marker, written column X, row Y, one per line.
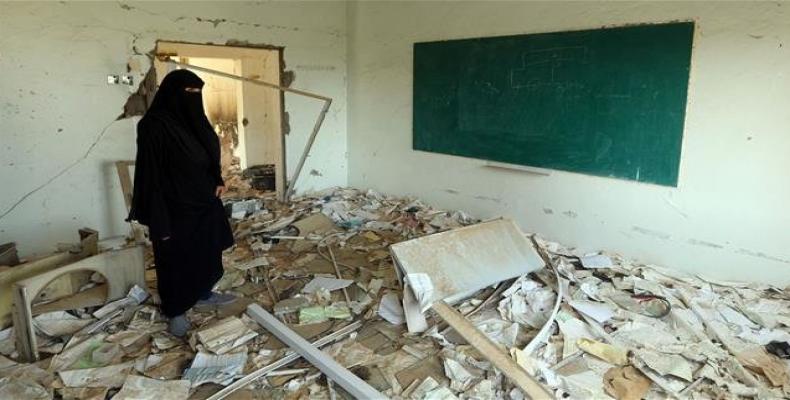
column 120, row 80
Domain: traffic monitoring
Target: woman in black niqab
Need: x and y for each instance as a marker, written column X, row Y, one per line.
column 177, row 183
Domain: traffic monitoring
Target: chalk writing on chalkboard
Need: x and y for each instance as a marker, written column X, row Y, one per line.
column 608, row 102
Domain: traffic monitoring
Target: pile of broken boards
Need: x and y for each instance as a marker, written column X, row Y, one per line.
column 585, row 326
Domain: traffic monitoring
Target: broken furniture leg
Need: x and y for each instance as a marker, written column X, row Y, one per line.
column 343, row 377
column 491, row 352
column 122, row 269
column 125, row 178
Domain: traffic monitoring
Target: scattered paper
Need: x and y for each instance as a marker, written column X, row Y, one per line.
column 290, row 305
column 78, row 353
column 374, row 286
column 16, row 389
column 667, row 364
column 764, row 336
column 483, row 390
column 222, row 369
column 498, row 330
column 391, row 310
column 141, row 388
column 316, row 314
column 427, row 385
column 596, row 261
column 59, row 323
column 460, row 378
column 422, row 288
column 734, row 317
column 584, row 385
column 225, row 335
column 327, row 283
column 136, row 296
column 600, row 312
column 775, row 369
column 415, row 319
column 441, row 393
column 606, row 352
column 164, row 341
column 7, row 345
column 240, row 209
column 257, row 262
column 111, row 376
column 527, row 302
column 84, row 393
column 626, row 383
column 572, row 330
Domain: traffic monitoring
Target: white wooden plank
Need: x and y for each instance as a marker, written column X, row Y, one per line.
column 492, row 352
column 343, row 377
column 285, row 360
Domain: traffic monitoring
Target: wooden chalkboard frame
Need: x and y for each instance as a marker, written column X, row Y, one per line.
column 606, row 102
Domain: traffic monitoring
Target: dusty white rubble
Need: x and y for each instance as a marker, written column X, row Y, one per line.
column 586, row 325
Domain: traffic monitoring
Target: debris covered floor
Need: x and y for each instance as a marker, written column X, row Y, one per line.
column 615, row 328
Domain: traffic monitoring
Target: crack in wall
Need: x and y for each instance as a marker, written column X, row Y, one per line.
column 59, row 174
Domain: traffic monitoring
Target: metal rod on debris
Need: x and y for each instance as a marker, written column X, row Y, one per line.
column 285, row 360
column 337, row 273
column 316, row 127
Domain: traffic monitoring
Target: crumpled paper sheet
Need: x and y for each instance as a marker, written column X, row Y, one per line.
column 626, row 383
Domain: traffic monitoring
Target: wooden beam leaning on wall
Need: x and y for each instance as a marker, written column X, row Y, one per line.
column 89, row 245
column 125, row 178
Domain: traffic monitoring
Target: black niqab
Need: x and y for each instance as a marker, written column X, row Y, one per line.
column 173, row 100
column 177, row 171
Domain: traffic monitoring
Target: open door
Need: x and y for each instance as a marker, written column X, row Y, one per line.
column 258, row 110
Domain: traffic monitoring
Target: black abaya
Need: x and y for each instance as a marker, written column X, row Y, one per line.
column 176, row 175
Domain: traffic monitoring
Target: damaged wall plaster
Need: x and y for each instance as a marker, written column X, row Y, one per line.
column 58, row 128
column 728, row 218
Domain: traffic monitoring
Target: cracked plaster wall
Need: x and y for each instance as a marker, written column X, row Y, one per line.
column 727, row 219
column 58, row 134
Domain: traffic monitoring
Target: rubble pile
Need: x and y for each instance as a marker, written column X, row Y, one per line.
column 586, row 325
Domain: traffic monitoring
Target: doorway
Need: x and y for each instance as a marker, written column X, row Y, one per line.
column 248, row 118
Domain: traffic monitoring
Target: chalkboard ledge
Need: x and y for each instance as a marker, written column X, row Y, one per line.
column 518, row 168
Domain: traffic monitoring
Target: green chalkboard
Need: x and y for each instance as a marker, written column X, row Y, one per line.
column 607, row 102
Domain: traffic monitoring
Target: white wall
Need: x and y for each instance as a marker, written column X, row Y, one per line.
column 57, row 112
column 728, row 218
